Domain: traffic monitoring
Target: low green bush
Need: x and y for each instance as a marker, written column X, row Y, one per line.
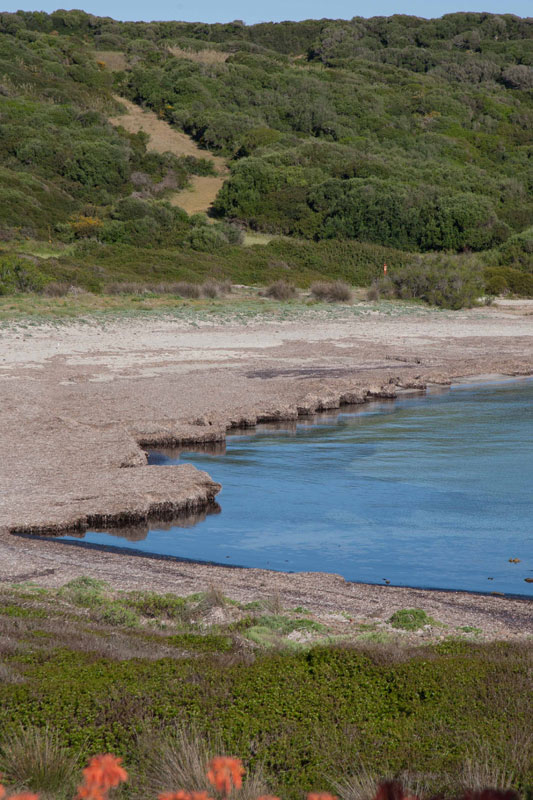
column 19, row 275
column 499, row 280
column 203, row 643
column 496, row 285
column 21, row 612
column 85, row 591
column 115, row 613
column 410, row 619
column 150, row 604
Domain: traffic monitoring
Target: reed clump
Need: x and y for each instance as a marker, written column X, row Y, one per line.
column 192, row 291
column 332, row 291
column 281, row 290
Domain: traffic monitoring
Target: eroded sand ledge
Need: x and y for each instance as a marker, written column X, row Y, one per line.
column 78, row 403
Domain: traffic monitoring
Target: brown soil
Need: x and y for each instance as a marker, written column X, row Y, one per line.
column 77, row 399
column 165, row 139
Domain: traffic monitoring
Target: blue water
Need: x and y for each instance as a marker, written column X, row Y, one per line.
column 431, row 491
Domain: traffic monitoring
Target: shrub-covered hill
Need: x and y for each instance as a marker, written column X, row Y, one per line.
column 401, row 132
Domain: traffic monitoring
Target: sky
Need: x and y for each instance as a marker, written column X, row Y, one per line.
column 273, row 11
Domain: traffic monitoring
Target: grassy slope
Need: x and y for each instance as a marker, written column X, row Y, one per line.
column 97, row 666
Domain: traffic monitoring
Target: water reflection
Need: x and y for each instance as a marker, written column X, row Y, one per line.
column 170, row 455
column 139, row 531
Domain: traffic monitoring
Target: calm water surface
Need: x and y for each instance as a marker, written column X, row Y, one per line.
column 430, row 491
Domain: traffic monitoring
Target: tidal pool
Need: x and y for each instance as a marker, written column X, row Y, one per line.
column 431, row 491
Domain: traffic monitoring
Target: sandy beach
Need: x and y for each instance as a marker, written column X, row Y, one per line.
column 80, row 400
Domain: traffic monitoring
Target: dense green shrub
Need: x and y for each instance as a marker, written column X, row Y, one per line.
column 496, row 285
column 439, row 280
column 206, row 238
column 19, row 275
column 498, row 280
column 516, row 252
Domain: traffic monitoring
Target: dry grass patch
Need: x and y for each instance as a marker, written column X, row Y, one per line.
column 206, row 56
column 34, row 758
column 332, row 292
column 214, row 288
column 210, row 289
column 281, row 290
column 180, row 757
column 112, row 60
column 57, row 289
column 201, row 194
column 163, row 138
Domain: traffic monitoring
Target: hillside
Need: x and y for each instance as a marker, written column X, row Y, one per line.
column 346, row 137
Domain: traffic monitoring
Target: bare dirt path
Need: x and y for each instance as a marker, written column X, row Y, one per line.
column 78, row 399
column 163, row 138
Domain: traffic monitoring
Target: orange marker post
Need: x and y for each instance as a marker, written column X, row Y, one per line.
column 385, row 270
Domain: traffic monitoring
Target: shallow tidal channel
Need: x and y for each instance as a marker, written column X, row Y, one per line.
column 430, row 491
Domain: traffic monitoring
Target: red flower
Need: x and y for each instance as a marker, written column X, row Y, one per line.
column 223, row 772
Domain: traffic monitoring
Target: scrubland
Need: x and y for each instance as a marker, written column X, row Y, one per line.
column 167, row 682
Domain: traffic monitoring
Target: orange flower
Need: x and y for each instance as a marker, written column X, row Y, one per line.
column 24, row 796
column 102, row 773
column 181, row 795
column 2, row 791
column 267, row 797
column 224, row 772
column 321, row 796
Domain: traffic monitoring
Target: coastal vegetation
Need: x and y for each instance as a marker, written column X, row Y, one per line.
column 154, row 678
column 349, row 144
